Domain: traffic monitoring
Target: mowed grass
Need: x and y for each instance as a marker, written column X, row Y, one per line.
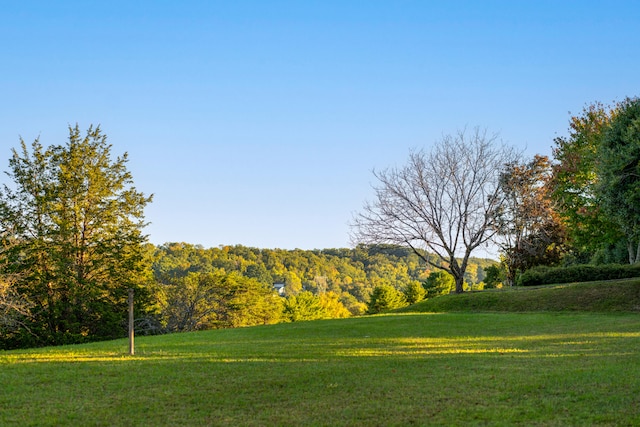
column 390, row 370
column 598, row 296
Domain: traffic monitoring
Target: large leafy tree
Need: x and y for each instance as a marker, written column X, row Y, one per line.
column 576, row 183
column 529, row 229
column 443, row 201
column 619, row 172
column 74, row 221
column 208, row 300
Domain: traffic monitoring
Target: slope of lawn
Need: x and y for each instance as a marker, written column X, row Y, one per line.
column 602, row 296
column 402, row 369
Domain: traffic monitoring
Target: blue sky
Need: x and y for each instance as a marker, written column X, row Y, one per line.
column 259, row 122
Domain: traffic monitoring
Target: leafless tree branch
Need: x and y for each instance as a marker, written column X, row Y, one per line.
column 442, row 201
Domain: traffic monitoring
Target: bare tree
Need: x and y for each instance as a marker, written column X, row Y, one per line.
column 443, row 201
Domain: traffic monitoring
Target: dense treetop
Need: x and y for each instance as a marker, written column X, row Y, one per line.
column 355, row 271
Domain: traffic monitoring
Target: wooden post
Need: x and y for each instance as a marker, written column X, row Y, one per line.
column 131, row 328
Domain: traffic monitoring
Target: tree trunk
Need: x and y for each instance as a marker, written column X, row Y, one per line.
column 634, row 252
column 459, row 284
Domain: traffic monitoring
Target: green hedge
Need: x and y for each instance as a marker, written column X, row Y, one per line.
column 577, row 273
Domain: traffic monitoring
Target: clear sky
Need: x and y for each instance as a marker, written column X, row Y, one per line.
column 259, row 122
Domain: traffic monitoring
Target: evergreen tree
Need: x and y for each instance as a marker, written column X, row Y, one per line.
column 75, row 224
column 439, row 283
column 384, row 298
column 414, row 292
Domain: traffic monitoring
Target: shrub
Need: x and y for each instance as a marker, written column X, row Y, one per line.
column 577, row 273
column 439, row 283
column 414, row 292
column 494, row 276
column 384, row 298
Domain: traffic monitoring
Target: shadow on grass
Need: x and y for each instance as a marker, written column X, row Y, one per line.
column 321, row 351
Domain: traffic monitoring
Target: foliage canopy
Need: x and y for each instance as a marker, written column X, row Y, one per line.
column 71, row 228
column 619, row 172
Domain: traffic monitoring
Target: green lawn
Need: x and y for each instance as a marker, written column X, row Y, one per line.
column 602, row 296
column 401, row 369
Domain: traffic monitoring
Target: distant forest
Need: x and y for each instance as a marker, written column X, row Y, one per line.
column 352, row 274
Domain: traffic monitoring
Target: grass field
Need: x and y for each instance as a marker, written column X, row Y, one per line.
column 602, row 296
column 401, row 369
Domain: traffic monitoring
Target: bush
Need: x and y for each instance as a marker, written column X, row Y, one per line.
column 385, row 298
column 439, row 283
column 577, row 273
column 494, row 277
column 414, row 292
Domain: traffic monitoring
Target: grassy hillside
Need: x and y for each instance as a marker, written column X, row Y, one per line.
column 603, row 296
column 402, row 369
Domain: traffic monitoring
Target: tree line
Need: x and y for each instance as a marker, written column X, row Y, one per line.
column 72, row 241
column 199, row 287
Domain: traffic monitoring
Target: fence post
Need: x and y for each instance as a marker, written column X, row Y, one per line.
column 131, row 328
